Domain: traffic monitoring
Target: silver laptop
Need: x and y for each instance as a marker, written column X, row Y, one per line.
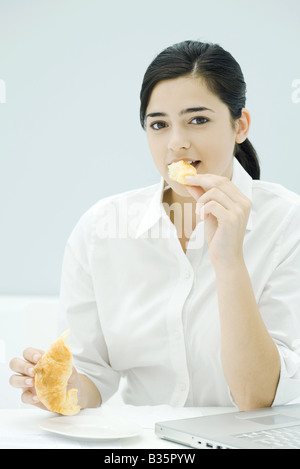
column 268, row 428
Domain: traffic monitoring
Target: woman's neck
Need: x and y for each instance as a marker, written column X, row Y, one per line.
column 181, row 211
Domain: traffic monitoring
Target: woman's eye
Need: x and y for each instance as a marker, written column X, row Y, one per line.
column 199, row 120
column 158, row 125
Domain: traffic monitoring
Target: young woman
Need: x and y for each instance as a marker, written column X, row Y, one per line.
column 188, row 291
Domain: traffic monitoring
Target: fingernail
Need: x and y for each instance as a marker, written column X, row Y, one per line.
column 29, row 382
column 35, row 398
column 31, row 372
column 36, row 357
column 189, row 178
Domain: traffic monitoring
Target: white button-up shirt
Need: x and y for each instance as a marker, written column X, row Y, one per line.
column 140, row 308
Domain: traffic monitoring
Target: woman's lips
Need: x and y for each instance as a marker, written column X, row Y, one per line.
column 194, row 163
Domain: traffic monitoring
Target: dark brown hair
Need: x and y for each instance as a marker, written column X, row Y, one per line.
column 223, row 77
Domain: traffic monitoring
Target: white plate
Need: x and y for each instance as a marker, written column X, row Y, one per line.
column 91, row 427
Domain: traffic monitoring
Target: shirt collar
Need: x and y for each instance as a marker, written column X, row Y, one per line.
column 155, row 209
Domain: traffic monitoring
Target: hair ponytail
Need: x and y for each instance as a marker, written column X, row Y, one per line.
column 246, row 155
column 223, row 77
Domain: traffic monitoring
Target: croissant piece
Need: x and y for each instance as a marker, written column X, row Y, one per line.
column 180, row 169
column 52, row 373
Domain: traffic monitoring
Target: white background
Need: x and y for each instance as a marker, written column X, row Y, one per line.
column 70, row 132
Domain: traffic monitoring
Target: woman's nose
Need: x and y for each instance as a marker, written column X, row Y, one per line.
column 178, row 141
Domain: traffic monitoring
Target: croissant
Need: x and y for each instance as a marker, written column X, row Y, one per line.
column 180, row 169
column 51, row 374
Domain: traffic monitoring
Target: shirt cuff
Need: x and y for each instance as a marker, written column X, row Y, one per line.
column 107, row 381
column 288, row 388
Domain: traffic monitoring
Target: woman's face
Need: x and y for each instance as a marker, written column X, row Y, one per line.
column 184, row 120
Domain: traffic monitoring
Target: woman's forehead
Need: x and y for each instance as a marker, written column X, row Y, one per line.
column 181, row 93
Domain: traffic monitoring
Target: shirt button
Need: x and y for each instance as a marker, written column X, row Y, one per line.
column 187, row 274
column 183, row 386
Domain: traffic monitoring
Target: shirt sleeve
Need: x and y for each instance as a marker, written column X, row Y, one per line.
column 80, row 313
column 279, row 306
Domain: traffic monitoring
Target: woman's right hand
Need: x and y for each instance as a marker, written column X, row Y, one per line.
column 24, row 379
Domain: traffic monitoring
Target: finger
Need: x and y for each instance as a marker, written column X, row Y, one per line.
column 20, row 366
column 32, row 355
column 28, row 397
column 218, row 196
column 215, row 209
column 19, row 381
column 208, row 181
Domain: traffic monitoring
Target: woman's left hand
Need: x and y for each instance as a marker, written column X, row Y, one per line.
column 225, row 211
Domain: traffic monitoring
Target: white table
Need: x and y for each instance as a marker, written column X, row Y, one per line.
column 20, row 428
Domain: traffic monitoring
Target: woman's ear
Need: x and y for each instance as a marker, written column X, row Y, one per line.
column 243, row 126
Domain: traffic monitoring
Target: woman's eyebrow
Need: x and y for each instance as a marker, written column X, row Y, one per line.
column 184, row 111
column 195, row 109
column 156, row 114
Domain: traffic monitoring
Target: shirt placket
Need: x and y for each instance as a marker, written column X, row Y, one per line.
column 175, row 329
